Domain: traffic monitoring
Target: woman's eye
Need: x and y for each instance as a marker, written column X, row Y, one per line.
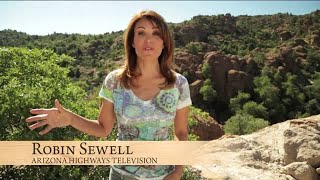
column 156, row 33
column 140, row 33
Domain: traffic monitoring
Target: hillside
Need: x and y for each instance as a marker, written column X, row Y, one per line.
column 273, row 60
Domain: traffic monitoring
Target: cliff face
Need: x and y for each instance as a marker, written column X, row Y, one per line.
column 231, row 73
column 288, row 150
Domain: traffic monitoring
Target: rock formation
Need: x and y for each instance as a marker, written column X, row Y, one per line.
column 206, row 129
column 288, row 150
column 229, row 73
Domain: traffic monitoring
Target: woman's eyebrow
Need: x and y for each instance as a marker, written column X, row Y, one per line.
column 145, row 28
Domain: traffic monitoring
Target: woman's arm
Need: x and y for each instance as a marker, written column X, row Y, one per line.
column 100, row 128
column 181, row 124
column 181, row 134
column 60, row 117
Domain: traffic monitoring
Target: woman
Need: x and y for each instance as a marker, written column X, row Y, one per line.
column 145, row 96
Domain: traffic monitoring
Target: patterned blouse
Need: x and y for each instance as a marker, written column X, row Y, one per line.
column 140, row 120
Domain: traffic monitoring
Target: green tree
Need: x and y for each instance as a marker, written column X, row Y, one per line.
column 256, row 110
column 259, row 58
column 312, row 107
column 237, row 102
column 244, row 124
column 33, row 79
column 312, row 92
column 208, row 92
column 269, row 96
column 313, row 61
column 293, row 97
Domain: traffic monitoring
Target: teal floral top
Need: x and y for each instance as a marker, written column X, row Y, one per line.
column 139, row 120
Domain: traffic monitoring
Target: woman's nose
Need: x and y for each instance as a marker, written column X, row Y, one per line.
column 148, row 39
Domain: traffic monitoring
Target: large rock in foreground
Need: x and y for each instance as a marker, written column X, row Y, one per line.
column 288, row 150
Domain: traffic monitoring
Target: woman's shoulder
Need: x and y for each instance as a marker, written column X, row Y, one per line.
column 115, row 72
column 180, row 79
column 112, row 77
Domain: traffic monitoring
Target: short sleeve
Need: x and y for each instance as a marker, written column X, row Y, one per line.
column 184, row 97
column 109, row 84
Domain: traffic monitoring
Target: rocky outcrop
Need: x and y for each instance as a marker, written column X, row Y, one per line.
column 229, row 73
column 288, row 59
column 237, row 80
column 186, row 62
column 195, row 31
column 190, row 33
column 195, row 88
column 295, row 145
column 288, row 150
column 207, row 129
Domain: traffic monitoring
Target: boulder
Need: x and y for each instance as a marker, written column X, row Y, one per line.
column 302, row 143
column 300, row 171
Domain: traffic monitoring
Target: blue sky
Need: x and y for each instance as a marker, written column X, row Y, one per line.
column 84, row 17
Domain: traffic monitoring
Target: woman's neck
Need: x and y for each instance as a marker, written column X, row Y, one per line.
column 148, row 68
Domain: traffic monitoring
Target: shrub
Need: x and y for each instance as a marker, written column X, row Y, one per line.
column 206, row 70
column 244, row 124
column 193, row 48
column 208, row 92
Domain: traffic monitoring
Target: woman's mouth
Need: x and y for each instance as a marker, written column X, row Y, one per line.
column 148, row 49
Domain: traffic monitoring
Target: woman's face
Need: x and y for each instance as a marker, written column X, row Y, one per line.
column 147, row 41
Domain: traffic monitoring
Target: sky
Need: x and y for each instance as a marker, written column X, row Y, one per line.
column 98, row 17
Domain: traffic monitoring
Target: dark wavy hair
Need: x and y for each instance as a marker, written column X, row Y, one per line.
column 165, row 59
